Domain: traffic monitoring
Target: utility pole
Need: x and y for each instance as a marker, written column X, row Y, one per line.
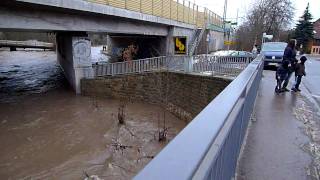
column 224, row 19
column 225, row 16
column 237, row 15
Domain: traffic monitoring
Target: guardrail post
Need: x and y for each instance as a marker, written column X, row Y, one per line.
column 183, row 9
column 177, row 10
column 162, row 15
column 189, row 10
column 247, row 60
column 152, row 8
column 112, row 73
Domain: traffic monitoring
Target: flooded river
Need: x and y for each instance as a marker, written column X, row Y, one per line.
column 48, row 132
column 28, row 72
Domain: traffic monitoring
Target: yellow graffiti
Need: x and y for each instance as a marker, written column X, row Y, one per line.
column 180, row 45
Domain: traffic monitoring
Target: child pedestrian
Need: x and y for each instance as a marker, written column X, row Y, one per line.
column 299, row 72
column 281, row 75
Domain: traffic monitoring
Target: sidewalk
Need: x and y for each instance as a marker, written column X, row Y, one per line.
column 276, row 141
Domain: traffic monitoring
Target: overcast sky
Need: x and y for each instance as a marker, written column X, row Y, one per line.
column 244, row 6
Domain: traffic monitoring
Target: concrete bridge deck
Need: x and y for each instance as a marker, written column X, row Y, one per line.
column 283, row 138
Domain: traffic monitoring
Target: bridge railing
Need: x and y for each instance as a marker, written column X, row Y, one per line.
column 171, row 63
column 224, row 65
column 178, row 10
column 209, row 146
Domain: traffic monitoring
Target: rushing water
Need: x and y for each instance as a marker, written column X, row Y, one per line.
column 28, row 72
column 31, row 72
column 48, row 132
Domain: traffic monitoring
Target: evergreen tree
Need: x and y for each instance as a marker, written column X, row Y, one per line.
column 304, row 31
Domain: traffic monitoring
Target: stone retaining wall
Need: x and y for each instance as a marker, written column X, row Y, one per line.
column 184, row 95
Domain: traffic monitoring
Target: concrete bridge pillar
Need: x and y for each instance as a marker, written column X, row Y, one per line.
column 74, row 57
column 170, row 42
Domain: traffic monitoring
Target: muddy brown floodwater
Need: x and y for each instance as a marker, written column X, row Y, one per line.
column 47, row 132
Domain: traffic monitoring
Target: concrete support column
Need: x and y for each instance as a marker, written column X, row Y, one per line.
column 74, row 57
column 169, row 42
column 110, row 45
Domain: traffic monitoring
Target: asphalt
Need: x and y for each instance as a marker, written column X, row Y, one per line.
column 278, row 141
column 312, row 80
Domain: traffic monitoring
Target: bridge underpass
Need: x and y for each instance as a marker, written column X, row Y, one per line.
column 148, row 46
column 72, row 19
column 73, row 51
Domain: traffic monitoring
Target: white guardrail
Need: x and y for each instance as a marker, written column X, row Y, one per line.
column 225, row 65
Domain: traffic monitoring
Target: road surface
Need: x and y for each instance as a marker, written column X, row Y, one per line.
column 312, row 80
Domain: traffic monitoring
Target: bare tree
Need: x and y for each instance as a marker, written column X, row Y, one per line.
column 270, row 16
column 124, row 100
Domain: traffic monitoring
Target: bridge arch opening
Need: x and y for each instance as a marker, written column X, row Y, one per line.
column 144, row 46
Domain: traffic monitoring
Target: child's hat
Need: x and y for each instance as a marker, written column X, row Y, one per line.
column 303, row 58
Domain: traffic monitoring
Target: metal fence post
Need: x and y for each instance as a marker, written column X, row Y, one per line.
column 183, row 10
column 112, row 71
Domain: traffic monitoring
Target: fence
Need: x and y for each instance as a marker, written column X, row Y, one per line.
column 178, row 10
column 224, row 65
column 208, row 148
column 172, row 63
column 227, row 65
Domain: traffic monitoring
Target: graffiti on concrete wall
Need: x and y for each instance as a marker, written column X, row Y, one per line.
column 81, row 48
column 129, row 53
column 125, row 54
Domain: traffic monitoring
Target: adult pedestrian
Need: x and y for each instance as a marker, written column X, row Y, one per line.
column 289, row 55
column 255, row 50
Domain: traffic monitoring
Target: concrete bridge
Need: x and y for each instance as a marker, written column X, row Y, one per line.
column 125, row 21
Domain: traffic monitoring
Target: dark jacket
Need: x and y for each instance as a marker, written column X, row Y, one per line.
column 300, row 70
column 281, row 73
column 290, row 55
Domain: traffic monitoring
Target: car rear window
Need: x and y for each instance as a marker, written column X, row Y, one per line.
column 274, row 46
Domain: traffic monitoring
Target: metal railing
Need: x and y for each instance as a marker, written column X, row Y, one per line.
column 172, row 63
column 227, row 65
column 178, row 10
column 224, row 65
column 209, row 146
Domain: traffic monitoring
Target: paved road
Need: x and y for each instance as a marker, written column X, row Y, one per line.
column 312, row 80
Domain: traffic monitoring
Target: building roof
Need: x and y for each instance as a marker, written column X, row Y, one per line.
column 316, row 28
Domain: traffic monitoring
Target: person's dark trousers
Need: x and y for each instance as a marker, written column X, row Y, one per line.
column 286, row 81
column 298, row 81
